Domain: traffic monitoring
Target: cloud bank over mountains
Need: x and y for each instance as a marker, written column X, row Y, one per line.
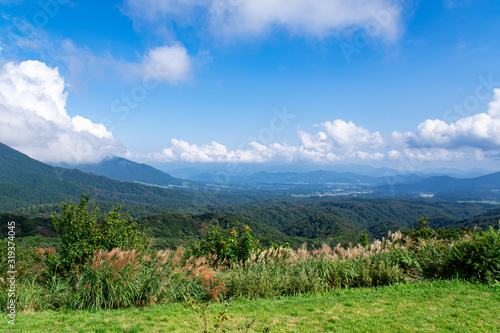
column 477, row 131
column 470, row 138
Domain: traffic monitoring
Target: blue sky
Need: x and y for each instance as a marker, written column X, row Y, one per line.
column 407, row 84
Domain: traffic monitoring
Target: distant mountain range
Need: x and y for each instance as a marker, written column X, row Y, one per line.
column 440, row 184
column 26, row 182
column 393, row 181
column 315, row 177
column 311, row 177
column 207, row 172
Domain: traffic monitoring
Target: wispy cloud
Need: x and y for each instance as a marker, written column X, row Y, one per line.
column 166, row 63
column 457, row 3
column 241, row 18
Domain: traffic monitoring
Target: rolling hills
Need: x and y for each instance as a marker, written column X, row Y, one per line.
column 25, row 182
column 314, row 221
column 443, row 184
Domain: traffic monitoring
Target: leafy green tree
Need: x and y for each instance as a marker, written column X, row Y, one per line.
column 421, row 230
column 364, row 240
column 83, row 231
column 227, row 246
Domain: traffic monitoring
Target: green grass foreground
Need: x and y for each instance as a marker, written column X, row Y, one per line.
column 440, row 306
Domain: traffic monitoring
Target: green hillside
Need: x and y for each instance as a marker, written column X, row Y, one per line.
column 25, row 182
column 280, row 213
column 326, row 227
column 26, row 226
column 172, row 229
column 490, row 218
column 122, row 169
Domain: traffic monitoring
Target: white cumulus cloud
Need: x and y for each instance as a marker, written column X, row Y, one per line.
column 168, row 63
column 348, row 135
column 474, row 138
column 478, row 131
column 33, row 118
column 254, row 152
column 342, row 135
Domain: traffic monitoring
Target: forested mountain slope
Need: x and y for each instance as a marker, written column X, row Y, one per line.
column 25, row 181
column 129, row 171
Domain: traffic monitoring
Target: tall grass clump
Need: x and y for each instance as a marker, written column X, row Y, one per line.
column 361, row 272
column 118, row 279
column 271, row 273
column 283, row 271
column 110, row 280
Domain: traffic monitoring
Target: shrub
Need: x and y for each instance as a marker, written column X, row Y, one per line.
column 422, row 231
column 83, row 231
column 407, row 261
column 477, row 259
column 224, row 246
column 364, row 240
column 431, row 256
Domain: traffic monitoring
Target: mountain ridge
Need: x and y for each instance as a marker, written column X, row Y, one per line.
column 119, row 168
column 25, row 181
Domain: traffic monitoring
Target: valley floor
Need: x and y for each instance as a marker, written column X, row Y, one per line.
column 440, row 306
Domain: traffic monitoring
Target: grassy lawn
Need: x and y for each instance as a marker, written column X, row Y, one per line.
column 423, row 307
